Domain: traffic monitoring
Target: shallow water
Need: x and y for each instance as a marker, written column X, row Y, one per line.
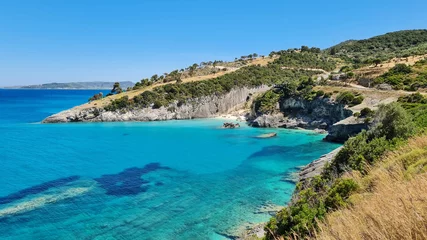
column 157, row 180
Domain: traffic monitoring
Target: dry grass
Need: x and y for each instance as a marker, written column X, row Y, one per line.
column 393, row 204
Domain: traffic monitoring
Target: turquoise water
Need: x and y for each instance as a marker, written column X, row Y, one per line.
column 156, row 180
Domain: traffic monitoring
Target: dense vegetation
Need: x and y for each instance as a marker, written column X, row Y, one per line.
column 330, row 191
column 251, row 76
column 350, row 98
column 383, row 47
column 305, row 59
column 402, row 76
column 416, row 105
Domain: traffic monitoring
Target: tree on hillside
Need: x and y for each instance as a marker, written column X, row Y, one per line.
column 376, row 61
column 96, row 97
column 154, row 78
column 315, row 50
column 191, row 70
column 116, row 88
column 304, row 49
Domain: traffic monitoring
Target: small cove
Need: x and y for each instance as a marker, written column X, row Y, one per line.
column 156, row 180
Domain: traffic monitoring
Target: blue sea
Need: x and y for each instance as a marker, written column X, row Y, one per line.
column 151, row 180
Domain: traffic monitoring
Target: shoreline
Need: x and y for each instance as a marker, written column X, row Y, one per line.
column 248, row 231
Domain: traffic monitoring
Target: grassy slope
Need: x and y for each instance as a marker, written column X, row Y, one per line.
column 372, row 71
column 392, row 203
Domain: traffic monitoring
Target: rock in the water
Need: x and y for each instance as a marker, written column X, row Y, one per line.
column 267, row 135
column 230, row 125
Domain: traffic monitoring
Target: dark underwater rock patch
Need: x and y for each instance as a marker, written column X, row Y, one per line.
column 128, row 182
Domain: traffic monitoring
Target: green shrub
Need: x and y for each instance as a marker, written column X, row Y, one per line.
column 345, row 97
column 120, row 103
column 357, row 100
column 157, row 104
column 366, row 112
column 320, row 93
column 327, row 95
column 392, row 121
column 96, row 97
column 266, row 103
column 413, row 98
column 418, row 111
column 339, row 193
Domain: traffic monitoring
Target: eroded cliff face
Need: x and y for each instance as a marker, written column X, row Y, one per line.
column 204, row 107
column 296, row 112
column 343, row 130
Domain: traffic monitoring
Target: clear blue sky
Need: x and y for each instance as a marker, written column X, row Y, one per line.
column 102, row 40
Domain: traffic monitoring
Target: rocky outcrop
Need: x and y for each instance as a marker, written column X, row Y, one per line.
column 296, row 112
column 316, row 167
column 267, row 135
column 204, row 107
column 384, row 87
column 230, row 125
column 343, row 130
column 269, row 120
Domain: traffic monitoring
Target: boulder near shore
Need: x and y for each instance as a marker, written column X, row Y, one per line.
column 267, row 135
column 230, row 125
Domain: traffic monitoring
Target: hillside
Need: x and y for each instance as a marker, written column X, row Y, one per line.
column 384, row 47
column 76, row 85
column 333, row 190
column 207, row 72
column 300, row 59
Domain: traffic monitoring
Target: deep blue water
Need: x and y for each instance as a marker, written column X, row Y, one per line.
column 156, row 180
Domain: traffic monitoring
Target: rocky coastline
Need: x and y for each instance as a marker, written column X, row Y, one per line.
column 204, row 107
column 321, row 114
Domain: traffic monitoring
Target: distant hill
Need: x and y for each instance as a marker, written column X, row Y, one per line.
column 77, row 85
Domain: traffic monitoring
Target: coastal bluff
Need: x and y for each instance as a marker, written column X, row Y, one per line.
column 203, row 107
column 296, row 112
